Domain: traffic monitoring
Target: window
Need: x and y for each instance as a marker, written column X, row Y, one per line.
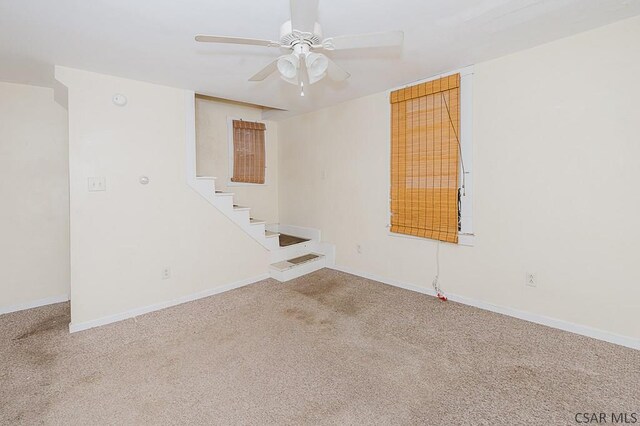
column 430, row 166
column 247, row 148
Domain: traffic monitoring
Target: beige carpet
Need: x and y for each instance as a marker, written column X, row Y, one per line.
column 328, row 348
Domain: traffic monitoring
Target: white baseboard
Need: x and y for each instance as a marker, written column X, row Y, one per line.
column 146, row 309
column 34, row 304
column 594, row 333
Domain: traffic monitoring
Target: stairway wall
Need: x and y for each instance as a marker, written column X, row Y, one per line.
column 213, row 154
column 121, row 239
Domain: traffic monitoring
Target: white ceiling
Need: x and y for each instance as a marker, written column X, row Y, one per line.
column 152, row 40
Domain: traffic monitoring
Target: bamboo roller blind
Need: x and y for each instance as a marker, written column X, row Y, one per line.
column 248, row 152
column 425, row 124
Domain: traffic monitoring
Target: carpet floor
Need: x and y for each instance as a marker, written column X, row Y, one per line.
column 327, row 348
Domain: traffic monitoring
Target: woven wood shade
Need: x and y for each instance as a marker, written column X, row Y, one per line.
column 425, row 124
column 248, row 152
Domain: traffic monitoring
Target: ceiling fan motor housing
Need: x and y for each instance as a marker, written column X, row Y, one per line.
column 290, row 36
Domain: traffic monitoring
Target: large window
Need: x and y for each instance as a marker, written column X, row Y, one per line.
column 247, row 152
column 427, row 161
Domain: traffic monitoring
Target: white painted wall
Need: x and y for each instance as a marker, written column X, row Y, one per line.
column 34, row 197
column 122, row 239
column 556, row 149
column 213, row 155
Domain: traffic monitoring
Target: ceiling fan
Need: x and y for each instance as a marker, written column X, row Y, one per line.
column 302, row 35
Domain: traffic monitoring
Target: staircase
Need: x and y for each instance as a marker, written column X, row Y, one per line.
column 287, row 262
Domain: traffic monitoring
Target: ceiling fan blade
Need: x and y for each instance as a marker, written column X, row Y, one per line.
column 265, row 72
column 360, row 41
column 336, row 73
column 304, row 14
column 236, row 40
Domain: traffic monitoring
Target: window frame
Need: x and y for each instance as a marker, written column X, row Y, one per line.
column 230, row 152
column 466, row 235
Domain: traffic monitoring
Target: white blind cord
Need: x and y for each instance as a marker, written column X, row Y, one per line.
column 439, row 293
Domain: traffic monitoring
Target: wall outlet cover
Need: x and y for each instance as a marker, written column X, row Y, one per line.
column 531, row 280
column 97, row 184
column 166, row 273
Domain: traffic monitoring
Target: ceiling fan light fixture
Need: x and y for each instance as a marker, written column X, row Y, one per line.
column 302, row 36
column 317, row 65
column 288, row 66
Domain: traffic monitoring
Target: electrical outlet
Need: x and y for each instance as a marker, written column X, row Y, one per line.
column 531, row 280
column 166, row 273
column 97, row 184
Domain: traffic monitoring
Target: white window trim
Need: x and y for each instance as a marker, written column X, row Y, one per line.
column 466, row 236
column 230, row 153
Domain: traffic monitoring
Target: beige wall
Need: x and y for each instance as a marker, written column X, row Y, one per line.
column 213, row 155
column 121, row 239
column 34, row 196
column 556, row 149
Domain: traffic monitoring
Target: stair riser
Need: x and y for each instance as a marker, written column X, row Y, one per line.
column 298, row 231
column 224, row 203
column 297, row 271
column 273, row 244
column 257, row 231
column 241, row 216
column 206, row 186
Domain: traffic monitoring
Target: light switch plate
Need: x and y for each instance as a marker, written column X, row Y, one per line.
column 97, row 184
